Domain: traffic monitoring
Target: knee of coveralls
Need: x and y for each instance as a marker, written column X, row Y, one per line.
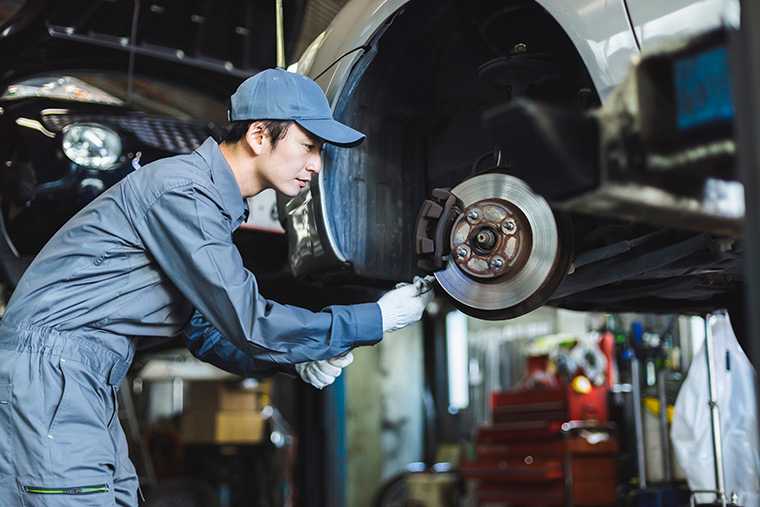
column 65, row 438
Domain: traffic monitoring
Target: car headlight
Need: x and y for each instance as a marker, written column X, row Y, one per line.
column 91, row 145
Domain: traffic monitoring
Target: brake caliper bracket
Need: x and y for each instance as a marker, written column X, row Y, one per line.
column 433, row 228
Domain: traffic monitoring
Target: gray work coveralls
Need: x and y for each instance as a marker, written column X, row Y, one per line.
column 126, row 271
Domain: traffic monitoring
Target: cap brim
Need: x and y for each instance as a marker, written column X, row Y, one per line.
column 333, row 132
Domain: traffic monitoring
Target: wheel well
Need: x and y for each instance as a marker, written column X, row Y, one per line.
column 419, row 94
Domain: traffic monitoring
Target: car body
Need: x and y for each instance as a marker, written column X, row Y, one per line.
column 427, row 81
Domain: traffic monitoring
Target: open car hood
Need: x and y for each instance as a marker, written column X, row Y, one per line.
column 210, row 45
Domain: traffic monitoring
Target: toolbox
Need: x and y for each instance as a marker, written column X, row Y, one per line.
column 549, row 446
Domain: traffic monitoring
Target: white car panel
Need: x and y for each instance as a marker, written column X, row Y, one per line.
column 656, row 21
column 601, row 32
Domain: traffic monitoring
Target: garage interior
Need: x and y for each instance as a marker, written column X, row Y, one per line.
column 622, row 377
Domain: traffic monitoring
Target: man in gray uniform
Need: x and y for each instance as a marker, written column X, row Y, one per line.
column 131, row 268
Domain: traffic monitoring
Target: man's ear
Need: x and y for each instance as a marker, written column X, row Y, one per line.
column 255, row 137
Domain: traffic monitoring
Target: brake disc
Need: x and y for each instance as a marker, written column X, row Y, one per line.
column 508, row 249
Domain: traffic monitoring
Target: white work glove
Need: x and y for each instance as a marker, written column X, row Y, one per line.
column 323, row 373
column 405, row 304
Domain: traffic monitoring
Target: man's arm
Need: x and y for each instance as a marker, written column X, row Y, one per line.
column 208, row 345
column 190, row 238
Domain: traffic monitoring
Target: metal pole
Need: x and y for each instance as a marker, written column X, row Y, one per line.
column 745, row 56
column 664, row 440
column 132, row 46
column 638, row 421
column 714, row 413
column 280, row 35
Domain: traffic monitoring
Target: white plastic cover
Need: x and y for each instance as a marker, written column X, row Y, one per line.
column 691, row 434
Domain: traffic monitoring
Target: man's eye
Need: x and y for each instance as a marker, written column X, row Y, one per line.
column 309, row 147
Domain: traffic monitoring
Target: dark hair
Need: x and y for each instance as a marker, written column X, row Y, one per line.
column 274, row 129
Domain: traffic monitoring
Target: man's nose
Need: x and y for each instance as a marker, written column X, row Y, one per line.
column 314, row 165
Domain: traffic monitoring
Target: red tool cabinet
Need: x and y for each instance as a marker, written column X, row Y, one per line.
column 545, row 448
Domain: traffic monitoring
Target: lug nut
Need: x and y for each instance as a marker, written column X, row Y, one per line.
column 461, row 251
column 508, row 226
column 473, row 215
column 497, row 263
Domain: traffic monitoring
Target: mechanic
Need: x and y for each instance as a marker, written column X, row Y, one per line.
column 130, row 269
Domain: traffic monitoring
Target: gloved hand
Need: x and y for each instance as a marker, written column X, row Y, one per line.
column 323, row 373
column 405, row 304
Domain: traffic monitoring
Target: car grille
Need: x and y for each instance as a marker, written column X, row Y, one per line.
column 179, row 136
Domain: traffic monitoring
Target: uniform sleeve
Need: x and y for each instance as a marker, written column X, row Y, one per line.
column 208, row 345
column 190, row 238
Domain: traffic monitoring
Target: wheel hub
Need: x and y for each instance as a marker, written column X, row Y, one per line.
column 491, row 238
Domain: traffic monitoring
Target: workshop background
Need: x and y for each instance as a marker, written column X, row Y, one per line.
column 580, row 401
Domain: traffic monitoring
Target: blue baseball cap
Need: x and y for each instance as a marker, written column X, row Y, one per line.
column 276, row 94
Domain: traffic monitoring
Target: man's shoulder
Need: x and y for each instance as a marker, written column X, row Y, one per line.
column 179, row 173
column 166, row 173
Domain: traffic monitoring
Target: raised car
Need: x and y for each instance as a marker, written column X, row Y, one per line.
column 489, row 160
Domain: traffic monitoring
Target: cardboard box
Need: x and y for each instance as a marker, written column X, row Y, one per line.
column 433, row 489
column 212, row 396
column 222, row 427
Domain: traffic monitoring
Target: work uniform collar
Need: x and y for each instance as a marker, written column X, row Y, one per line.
column 224, row 179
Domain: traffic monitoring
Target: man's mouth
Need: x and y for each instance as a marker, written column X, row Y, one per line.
column 302, row 183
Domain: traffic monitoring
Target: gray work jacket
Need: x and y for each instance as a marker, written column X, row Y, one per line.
column 132, row 265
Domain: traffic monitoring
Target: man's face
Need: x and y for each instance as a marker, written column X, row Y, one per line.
column 290, row 165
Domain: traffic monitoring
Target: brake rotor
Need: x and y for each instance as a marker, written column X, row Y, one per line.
column 509, row 251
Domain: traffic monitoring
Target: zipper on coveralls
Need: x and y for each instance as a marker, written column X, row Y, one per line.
column 78, row 490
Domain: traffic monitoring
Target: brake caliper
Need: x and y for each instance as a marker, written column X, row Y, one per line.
column 433, row 230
